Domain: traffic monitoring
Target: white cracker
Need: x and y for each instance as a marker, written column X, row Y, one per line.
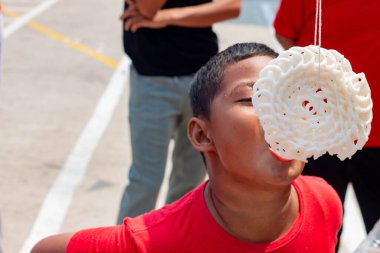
column 307, row 109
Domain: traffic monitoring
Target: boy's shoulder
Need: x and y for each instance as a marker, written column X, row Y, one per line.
column 167, row 213
column 312, row 181
column 316, row 188
column 170, row 228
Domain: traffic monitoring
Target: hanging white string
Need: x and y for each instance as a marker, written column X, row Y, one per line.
column 318, row 29
column 318, row 24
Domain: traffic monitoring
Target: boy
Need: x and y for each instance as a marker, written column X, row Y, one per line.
column 254, row 201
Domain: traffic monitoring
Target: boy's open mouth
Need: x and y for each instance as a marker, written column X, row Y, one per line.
column 278, row 156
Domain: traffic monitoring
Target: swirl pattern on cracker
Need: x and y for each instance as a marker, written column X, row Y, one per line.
column 310, row 104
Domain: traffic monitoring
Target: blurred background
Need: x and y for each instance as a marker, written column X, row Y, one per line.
column 64, row 141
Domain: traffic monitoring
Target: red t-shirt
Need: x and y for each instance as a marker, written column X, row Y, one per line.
column 352, row 27
column 187, row 226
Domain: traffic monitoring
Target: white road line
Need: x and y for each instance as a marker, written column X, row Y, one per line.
column 353, row 225
column 20, row 22
column 163, row 192
column 57, row 201
column 268, row 13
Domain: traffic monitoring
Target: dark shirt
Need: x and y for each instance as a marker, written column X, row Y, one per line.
column 173, row 50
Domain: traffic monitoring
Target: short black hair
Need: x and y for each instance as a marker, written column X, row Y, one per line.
column 206, row 82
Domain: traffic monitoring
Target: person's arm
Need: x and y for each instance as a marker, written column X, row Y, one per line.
column 286, row 43
column 100, row 239
column 53, row 244
column 198, row 16
column 147, row 8
column 203, row 15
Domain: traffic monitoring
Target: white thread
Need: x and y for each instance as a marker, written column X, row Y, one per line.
column 318, row 24
column 318, row 31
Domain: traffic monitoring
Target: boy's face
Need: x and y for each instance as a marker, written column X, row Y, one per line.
column 236, row 133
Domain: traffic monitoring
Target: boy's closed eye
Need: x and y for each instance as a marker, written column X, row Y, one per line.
column 242, row 93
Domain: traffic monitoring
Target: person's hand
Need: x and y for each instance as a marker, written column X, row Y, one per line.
column 135, row 21
column 131, row 2
column 130, row 11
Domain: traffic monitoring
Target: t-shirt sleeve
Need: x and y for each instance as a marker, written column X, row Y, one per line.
column 288, row 21
column 114, row 239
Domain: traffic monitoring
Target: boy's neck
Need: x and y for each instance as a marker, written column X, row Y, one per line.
column 252, row 216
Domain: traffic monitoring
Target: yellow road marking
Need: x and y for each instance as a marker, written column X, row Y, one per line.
column 73, row 44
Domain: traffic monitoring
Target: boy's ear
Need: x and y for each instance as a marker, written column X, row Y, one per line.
column 197, row 132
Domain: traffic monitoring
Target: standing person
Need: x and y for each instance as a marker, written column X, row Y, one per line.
column 254, row 201
column 168, row 41
column 351, row 27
